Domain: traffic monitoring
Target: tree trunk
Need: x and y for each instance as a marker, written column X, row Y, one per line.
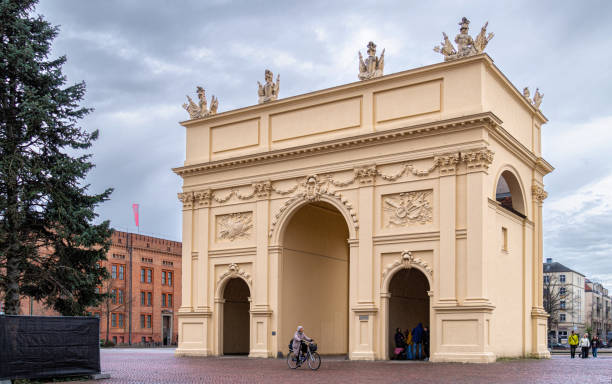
column 107, row 321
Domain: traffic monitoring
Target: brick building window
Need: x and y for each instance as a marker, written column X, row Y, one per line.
column 163, row 277
column 114, row 320
column 115, row 339
column 142, row 275
column 142, row 298
column 143, row 339
column 120, row 296
column 149, row 299
column 121, row 270
column 169, row 300
column 149, row 275
column 120, row 318
column 142, row 321
column 114, row 296
column 114, row 272
column 148, row 321
column 163, row 299
column 169, row 278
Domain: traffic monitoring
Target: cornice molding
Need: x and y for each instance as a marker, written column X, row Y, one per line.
column 365, row 140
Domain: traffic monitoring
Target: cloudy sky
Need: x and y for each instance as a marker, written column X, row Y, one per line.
column 140, row 58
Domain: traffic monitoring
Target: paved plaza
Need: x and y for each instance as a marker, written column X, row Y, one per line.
column 161, row 366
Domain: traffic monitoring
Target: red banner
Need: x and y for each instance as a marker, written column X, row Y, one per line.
column 135, row 209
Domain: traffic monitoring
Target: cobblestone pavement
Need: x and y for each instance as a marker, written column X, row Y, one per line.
column 161, row 366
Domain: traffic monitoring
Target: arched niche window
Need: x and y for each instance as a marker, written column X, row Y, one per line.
column 509, row 193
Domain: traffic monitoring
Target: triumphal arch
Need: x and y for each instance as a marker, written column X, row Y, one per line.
column 404, row 198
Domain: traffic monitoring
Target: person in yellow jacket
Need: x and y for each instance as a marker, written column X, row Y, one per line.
column 408, row 336
column 573, row 342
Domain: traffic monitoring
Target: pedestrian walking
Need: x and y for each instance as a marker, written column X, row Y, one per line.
column 584, row 345
column 595, row 344
column 573, row 342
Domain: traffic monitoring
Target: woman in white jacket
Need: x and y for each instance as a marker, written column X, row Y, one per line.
column 585, row 344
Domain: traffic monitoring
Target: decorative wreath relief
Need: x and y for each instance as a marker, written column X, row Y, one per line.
column 234, row 226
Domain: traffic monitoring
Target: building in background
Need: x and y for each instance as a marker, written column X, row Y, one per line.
column 153, row 299
column 564, row 300
column 597, row 308
column 145, row 309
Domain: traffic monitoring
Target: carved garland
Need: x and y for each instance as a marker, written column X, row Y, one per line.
column 408, row 261
column 447, row 163
column 233, row 270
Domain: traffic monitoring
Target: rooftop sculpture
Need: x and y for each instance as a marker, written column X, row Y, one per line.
column 466, row 46
column 537, row 97
column 268, row 91
column 372, row 66
column 201, row 109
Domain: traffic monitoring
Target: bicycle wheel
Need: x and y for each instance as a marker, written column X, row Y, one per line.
column 292, row 360
column 314, row 361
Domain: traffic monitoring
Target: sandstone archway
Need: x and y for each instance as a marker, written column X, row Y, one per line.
column 408, row 303
column 315, row 277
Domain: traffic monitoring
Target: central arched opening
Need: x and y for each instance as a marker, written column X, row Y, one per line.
column 408, row 307
column 236, row 317
column 315, row 277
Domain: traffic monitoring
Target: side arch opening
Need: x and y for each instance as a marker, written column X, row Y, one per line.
column 509, row 194
column 409, row 305
column 236, row 317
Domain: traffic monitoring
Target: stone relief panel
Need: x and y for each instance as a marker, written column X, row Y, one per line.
column 407, row 209
column 234, row 226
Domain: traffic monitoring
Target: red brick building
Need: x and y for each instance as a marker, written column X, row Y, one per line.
column 155, row 291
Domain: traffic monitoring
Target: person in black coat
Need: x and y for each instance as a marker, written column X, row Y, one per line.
column 400, row 343
column 426, row 342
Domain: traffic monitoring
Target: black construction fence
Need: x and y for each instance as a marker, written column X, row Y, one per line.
column 33, row 347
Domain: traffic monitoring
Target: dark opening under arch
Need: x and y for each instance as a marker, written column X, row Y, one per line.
column 236, row 317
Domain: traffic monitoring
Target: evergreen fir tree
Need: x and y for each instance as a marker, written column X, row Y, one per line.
column 50, row 248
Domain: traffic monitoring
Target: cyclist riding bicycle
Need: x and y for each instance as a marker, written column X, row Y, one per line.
column 298, row 338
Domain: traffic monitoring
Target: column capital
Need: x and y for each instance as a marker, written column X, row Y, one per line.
column 187, row 199
column 447, row 163
column 478, row 159
column 262, row 189
column 366, row 175
column 202, row 198
column 539, row 194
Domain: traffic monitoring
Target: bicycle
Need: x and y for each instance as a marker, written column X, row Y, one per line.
column 310, row 355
